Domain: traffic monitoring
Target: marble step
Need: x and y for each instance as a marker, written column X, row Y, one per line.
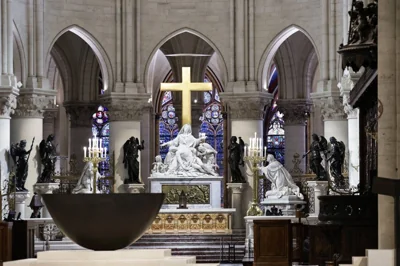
column 381, row 257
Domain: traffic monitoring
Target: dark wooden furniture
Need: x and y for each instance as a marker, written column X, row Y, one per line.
column 20, row 245
column 5, row 241
column 273, row 243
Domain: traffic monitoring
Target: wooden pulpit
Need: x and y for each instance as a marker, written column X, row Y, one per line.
column 273, row 243
column 5, row 242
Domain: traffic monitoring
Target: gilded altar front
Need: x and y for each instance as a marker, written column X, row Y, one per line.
column 192, row 222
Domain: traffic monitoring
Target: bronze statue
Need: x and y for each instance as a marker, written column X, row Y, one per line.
column 336, row 159
column 48, row 155
column 317, row 146
column 21, row 174
column 363, row 23
column 131, row 154
column 236, row 151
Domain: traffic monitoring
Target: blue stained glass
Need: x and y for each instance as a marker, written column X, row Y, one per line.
column 207, row 97
column 168, row 126
column 276, row 137
column 217, row 96
column 166, row 97
column 101, row 129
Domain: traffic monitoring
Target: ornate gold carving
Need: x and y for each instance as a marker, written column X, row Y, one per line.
column 196, row 194
column 202, row 223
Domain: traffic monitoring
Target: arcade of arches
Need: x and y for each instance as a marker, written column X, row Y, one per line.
column 81, row 68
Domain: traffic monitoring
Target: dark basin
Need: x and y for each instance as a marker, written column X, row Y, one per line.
column 104, row 221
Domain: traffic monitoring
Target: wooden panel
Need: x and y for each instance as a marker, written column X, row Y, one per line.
column 272, row 243
column 5, row 241
column 20, row 240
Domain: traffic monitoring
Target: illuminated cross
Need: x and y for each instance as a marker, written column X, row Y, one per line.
column 186, row 87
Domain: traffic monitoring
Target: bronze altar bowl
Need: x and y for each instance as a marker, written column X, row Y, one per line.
column 104, row 221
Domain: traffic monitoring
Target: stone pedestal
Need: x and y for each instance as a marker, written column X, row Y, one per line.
column 237, row 203
column 45, row 188
column 138, row 257
column 20, row 202
column 285, row 203
column 320, row 188
column 133, row 188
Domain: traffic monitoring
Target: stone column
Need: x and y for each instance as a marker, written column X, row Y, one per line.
column 80, row 117
column 319, row 188
column 295, row 117
column 8, row 103
column 334, row 117
column 236, row 202
column 246, row 113
column 388, row 130
column 346, row 85
column 27, row 124
column 125, row 122
column 21, row 203
column 49, row 119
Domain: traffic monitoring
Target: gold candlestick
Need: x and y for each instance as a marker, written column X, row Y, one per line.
column 254, row 158
column 95, row 160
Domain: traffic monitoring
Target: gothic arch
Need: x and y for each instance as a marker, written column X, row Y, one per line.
column 102, row 57
column 223, row 69
column 19, row 59
column 272, row 48
column 64, row 68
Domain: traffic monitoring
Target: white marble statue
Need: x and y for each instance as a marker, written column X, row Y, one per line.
column 84, row 185
column 188, row 156
column 282, row 181
column 159, row 166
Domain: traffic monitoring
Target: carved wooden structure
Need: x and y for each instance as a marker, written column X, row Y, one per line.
column 5, row 242
column 272, row 243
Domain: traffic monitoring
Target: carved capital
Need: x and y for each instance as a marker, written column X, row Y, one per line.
column 236, row 188
column 296, row 112
column 331, row 108
column 50, row 115
column 80, row 114
column 319, row 186
column 32, row 105
column 8, row 104
column 251, row 105
column 128, row 107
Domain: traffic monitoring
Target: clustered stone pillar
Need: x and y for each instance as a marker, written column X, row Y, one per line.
column 125, row 122
column 236, row 190
column 295, row 116
column 8, row 103
column 27, row 124
column 246, row 111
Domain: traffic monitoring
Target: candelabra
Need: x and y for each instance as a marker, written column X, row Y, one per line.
column 255, row 155
column 96, row 154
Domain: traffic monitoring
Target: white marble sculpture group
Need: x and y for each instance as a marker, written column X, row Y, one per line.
column 85, row 184
column 187, row 157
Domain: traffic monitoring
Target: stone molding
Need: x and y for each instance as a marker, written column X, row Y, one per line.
column 296, row 112
column 33, row 106
column 348, row 109
column 8, row 103
column 45, row 188
column 133, row 188
column 80, row 114
column 20, row 197
column 346, row 84
column 50, row 114
column 247, row 106
column 320, row 186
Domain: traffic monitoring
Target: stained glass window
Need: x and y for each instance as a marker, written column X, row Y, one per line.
column 212, row 123
column 168, row 122
column 274, row 123
column 101, row 129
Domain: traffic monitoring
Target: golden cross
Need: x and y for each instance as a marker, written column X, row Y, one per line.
column 186, row 87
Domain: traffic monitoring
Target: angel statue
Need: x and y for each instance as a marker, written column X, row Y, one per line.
column 336, row 159
column 48, row 155
column 131, row 154
column 18, row 150
column 236, row 151
column 317, row 146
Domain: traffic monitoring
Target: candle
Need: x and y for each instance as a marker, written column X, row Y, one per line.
column 245, row 154
column 84, row 151
column 265, row 150
column 100, row 143
column 90, row 145
column 101, row 152
column 105, row 152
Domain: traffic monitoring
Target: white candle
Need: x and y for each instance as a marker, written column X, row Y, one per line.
column 105, row 152
column 265, row 150
column 245, row 154
column 84, row 151
column 255, row 135
column 100, row 143
column 101, row 152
